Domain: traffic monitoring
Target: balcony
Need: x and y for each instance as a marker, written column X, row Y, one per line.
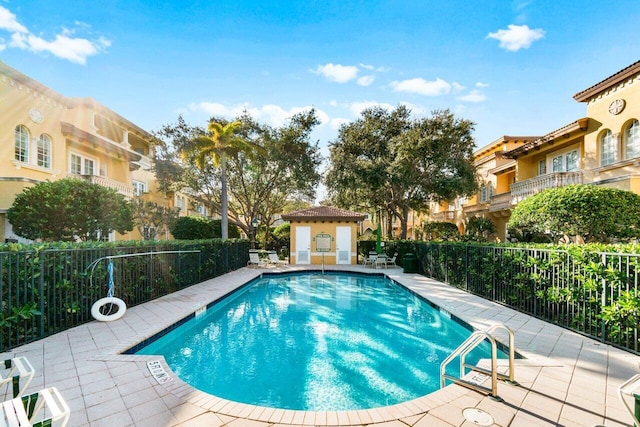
column 500, row 202
column 524, row 189
column 474, row 208
column 125, row 189
column 444, row 216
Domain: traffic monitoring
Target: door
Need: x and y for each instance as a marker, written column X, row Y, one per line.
column 343, row 245
column 303, row 245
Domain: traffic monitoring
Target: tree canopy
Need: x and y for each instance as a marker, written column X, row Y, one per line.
column 69, row 209
column 596, row 214
column 284, row 173
column 388, row 161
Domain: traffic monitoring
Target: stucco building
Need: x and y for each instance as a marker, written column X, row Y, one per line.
column 324, row 233
column 47, row 136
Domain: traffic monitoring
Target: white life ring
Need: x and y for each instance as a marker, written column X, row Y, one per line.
column 95, row 309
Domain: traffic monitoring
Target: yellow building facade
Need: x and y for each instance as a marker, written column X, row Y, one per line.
column 324, row 235
column 602, row 148
column 45, row 136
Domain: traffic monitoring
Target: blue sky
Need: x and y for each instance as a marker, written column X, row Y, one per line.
column 510, row 67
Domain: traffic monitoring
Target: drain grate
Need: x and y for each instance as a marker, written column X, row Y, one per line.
column 478, row 417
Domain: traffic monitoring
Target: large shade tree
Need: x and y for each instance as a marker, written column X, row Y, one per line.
column 282, row 172
column 389, row 161
column 69, row 209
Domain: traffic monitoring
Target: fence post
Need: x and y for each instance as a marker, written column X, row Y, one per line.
column 41, row 296
column 603, row 326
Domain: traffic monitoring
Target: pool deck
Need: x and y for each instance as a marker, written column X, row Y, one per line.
column 565, row 380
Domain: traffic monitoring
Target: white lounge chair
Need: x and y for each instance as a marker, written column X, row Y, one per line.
column 273, row 259
column 16, row 373
column 42, row 409
column 255, row 261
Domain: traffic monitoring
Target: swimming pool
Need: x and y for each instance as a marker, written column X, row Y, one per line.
column 307, row 341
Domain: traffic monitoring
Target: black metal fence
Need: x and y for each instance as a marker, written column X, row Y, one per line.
column 47, row 291
column 593, row 293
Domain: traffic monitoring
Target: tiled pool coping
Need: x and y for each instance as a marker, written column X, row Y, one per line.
column 567, row 379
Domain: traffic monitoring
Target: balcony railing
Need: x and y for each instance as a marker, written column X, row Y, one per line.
column 500, row 202
column 444, row 216
column 125, row 189
column 521, row 190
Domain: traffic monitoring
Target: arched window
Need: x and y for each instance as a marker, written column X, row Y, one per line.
column 632, row 140
column 22, row 137
column 44, row 151
column 608, row 149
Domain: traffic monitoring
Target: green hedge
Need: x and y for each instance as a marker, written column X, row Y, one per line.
column 593, row 289
column 47, row 288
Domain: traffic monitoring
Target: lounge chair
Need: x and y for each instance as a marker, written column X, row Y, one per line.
column 18, row 372
column 39, row 409
column 255, row 261
column 274, row 260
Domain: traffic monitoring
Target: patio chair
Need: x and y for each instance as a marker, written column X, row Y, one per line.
column 631, row 388
column 391, row 262
column 255, row 261
column 273, row 259
column 18, row 372
column 371, row 259
column 381, row 261
column 42, row 409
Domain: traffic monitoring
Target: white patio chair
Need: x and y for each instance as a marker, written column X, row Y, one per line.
column 42, row 409
column 371, row 259
column 381, row 261
column 17, row 373
column 391, row 262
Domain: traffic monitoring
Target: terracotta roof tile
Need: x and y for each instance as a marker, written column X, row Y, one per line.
column 323, row 213
column 610, row 81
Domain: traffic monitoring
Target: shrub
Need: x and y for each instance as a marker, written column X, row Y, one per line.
column 192, row 228
column 595, row 214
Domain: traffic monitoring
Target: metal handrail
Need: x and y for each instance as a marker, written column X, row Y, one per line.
column 512, row 351
column 467, row 346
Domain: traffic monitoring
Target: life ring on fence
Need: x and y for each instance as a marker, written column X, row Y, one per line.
column 110, row 315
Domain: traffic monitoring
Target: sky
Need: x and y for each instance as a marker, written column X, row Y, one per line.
column 511, row 67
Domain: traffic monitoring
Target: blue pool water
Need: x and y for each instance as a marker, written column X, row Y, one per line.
column 315, row 342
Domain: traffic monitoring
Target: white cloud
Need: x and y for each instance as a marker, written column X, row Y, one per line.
column 481, row 85
column 272, row 114
column 9, row 22
column 337, row 122
column 457, row 87
column 517, row 37
column 64, row 45
column 420, row 86
column 473, row 96
column 365, row 80
column 338, row 73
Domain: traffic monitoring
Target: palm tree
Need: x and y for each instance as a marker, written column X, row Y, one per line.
column 216, row 145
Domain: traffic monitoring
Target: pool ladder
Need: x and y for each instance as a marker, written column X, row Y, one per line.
column 466, row 347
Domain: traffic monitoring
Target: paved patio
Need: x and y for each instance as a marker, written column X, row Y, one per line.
column 566, row 379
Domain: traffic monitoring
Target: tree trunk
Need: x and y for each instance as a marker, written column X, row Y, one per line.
column 224, row 223
column 404, row 219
